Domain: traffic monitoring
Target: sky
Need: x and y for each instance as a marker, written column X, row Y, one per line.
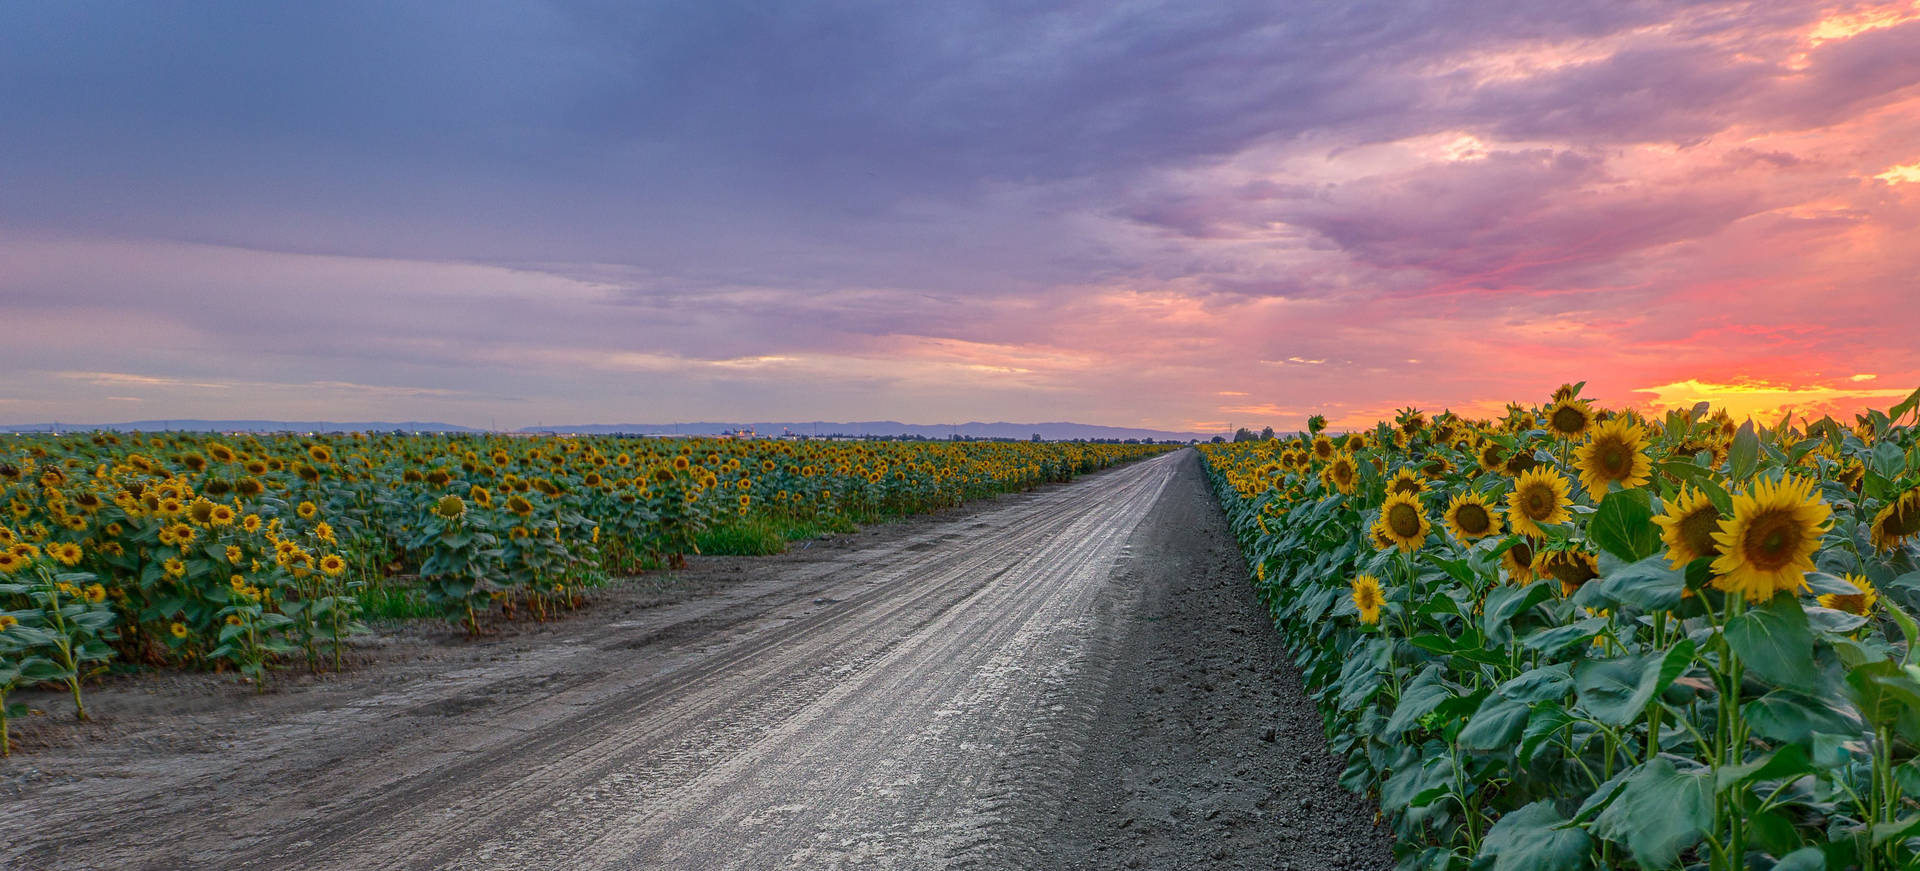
column 1167, row 214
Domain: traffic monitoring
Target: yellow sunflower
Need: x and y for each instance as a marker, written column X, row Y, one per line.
column 1404, row 521
column 1767, row 546
column 1897, row 522
column 1368, row 598
column 1572, row 568
column 1323, row 447
column 66, row 553
column 11, row 562
column 1858, row 603
column 1518, row 561
column 179, row 630
column 1491, row 456
column 1539, row 498
column 520, row 505
column 1342, row 473
column 1569, row 418
column 332, row 564
column 1688, row 525
column 450, row 507
column 1469, row 517
column 1615, row 453
column 1405, row 481
column 306, row 510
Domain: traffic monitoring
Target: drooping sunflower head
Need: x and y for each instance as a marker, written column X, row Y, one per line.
column 1539, row 498
column 1856, row 603
column 1404, row 521
column 1688, row 526
column 1436, row 466
column 1897, row 522
column 1368, row 598
column 481, row 496
column 1518, row 462
column 1469, row 517
column 1767, row 546
column 1615, row 453
column 1518, row 561
column 520, row 505
column 1411, row 421
column 1569, row 418
column 1565, row 391
column 1572, row 568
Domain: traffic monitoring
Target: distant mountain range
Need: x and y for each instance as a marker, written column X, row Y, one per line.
column 1056, row 431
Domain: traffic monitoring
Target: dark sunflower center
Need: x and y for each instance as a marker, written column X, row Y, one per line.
column 1406, row 485
column 1903, row 520
column 1369, row 598
column 1569, row 420
column 1613, row 460
column 1697, row 529
column 1404, row 520
column 1471, row 518
column 1852, row 604
column 1570, row 571
column 1772, row 540
column 1490, row 456
column 1538, row 502
column 1521, row 554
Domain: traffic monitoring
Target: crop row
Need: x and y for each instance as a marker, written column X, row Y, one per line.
column 1575, row 638
column 246, row 552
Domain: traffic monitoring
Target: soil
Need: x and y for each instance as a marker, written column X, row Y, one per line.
column 1076, row 676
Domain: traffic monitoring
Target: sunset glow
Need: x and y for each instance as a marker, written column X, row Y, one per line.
column 1176, row 216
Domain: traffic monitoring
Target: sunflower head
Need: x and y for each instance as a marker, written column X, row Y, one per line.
column 1572, row 568
column 333, row 564
column 1342, row 473
column 1518, row 561
column 1491, row 456
column 1405, row 481
column 178, row 629
column 1322, row 448
column 66, row 553
column 1615, row 453
column 1469, row 517
column 1688, row 525
column 1539, row 498
column 1569, row 418
column 1858, row 603
column 520, row 505
column 450, row 507
column 1898, row 521
column 1404, row 522
column 1368, row 598
column 1767, row 546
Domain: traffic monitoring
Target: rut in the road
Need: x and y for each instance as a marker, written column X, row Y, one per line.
column 920, row 702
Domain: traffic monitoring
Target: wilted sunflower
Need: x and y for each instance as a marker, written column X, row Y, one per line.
column 1342, row 473
column 1687, row 525
column 1897, row 522
column 450, row 507
column 1853, row 603
column 1569, row 418
column 1518, row 561
column 1767, row 546
column 1368, row 598
column 1615, row 453
column 1404, row 521
column 1469, row 517
column 1572, row 568
column 1539, row 497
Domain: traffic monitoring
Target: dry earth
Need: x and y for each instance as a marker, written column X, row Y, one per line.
column 1072, row 677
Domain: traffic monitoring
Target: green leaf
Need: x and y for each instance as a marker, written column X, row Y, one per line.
column 1551, row 641
column 1775, row 643
column 1789, row 717
column 1745, row 453
column 1496, row 725
column 1659, row 813
column 1647, row 585
column 1615, row 691
column 1623, row 526
column 1540, row 684
column 1507, row 602
column 1546, row 719
column 1536, row 838
column 1889, row 460
column 1417, row 786
column 1420, row 697
column 1803, row 859
column 1788, row 761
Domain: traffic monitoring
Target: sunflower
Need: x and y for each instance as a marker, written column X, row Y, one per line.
column 1519, row 462
column 222, row 515
column 1688, row 525
column 1572, row 568
column 1857, row 603
column 174, row 567
column 1539, row 497
column 178, row 629
column 1518, row 561
column 1322, row 448
column 1897, row 522
column 1491, row 456
column 1767, row 546
column 481, row 496
column 1342, row 473
column 324, row 532
column 1368, row 598
column 306, row 510
column 1615, row 452
column 332, row 564
column 66, row 553
column 11, row 562
column 320, row 453
column 94, row 593
column 1404, row 522
column 1405, row 481
column 250, row 523
column 519, row 504
column 1569, row 418
column 450, row 507
column 1356, row 442
column 8, row 621
column 1436, row 466
column 1469, row 517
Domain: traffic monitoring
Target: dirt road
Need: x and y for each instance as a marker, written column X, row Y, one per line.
column 985, row 689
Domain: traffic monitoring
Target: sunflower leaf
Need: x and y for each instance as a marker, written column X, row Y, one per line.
column 1623, row 525
column 1745, row 454
column 1775, row 643
column 1536, row 838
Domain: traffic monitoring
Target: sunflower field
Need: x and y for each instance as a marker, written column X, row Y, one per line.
column 242, row 553
column 1578, row 638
